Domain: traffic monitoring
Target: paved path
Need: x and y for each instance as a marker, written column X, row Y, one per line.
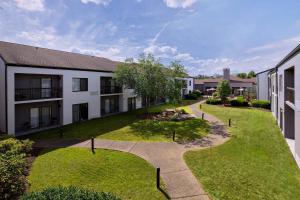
column 179, row 180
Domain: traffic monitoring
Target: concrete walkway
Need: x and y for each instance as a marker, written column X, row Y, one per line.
column 179, row 180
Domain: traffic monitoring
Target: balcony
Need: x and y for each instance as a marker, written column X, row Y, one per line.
column 111, row 89
column 25, row 94
column 290, row 94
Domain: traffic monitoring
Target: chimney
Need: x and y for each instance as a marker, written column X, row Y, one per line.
column 226, row 74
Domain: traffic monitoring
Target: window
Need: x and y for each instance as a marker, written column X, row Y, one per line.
column 190, row 83
column 79, row 84
column 80, row 112
column 280, row 83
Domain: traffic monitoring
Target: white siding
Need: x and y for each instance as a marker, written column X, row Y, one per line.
column 2, row 97
column 262, row 86
column 92, row 96
column 293, row 62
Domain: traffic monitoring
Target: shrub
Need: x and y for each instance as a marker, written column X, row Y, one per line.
column 213, row 101
column 13, row 167
column 239, row 101
column 261, row 104
column 62, row 193
column 191, row 96
column 196, row 92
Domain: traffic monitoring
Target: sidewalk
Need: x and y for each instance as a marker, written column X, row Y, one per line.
column 179, row 180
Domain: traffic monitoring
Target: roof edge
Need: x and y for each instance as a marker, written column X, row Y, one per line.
column 290, row 55
column 58, row 68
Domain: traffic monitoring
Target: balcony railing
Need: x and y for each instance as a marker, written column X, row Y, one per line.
column 37, row 93
column 111, row 89
column 290, row 94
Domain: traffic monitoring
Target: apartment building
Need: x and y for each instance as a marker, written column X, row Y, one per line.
column 42, row 88
column 238, row 85
column 262, row 85
column 284, row 93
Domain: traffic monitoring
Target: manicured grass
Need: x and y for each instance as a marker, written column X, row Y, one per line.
column 254, row 164
column 123, row 174
column 160, row 131
column 127, row 126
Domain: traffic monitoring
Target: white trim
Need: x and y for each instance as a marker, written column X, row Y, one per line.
column 38, row 100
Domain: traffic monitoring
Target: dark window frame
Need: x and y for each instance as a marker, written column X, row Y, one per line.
column 83, row 84
column 80, row 107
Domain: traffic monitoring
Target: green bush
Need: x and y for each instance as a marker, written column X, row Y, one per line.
column 64, row 193
column 213, row 101
column 261, row 104
column 13, row 167
column 191, row 96
column 196, row 92
column 239, row 101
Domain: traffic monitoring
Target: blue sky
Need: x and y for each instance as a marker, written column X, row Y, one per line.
column 206, row 35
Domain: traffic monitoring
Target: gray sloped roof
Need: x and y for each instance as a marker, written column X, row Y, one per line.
column 24, row 55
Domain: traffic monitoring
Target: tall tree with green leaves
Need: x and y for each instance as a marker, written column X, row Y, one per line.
column 223, row 90
column 146, row 77
column 150, row 79
column 175, row 75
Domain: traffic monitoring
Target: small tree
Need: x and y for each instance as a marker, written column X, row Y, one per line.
column 223, row 90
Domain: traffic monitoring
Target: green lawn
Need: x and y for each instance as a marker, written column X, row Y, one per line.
column 127, row 126
column 254, row 164
column 123, row 174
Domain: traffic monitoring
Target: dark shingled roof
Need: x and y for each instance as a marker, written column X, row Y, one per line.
column 24, row 55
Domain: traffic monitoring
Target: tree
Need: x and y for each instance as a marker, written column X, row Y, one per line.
column 251, row 74
column 223, row 90
column 150, row 79
column 175, row 74
column 242, row 75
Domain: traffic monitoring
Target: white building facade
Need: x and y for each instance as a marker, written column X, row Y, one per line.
column 262, row 87
column 35, row 98
column 284, row 93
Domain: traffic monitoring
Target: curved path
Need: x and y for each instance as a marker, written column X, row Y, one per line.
column 179, row 180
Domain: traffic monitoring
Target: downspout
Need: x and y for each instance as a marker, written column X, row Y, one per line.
column 6, row 114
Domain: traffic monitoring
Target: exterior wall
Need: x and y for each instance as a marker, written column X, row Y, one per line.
column 2, row 97
column 23, row 113
column 92, row 96
column 262, row 86
column 128, row 93
column 190, row 84
column 293, row 62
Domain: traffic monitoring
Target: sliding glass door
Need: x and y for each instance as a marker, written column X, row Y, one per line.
column 40, row 116
column 80, row 112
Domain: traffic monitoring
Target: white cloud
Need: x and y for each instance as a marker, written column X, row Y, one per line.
column 31, row 5
column 180, row 3
column 98, row 2
column 161, row 51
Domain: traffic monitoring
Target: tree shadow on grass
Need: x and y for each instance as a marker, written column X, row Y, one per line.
column 99, row 126
column 187, row 130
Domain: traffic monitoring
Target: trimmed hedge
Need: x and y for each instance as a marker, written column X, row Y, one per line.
column 261, row 104
column 71, row 192
column 13, row 167
column 214, row 101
